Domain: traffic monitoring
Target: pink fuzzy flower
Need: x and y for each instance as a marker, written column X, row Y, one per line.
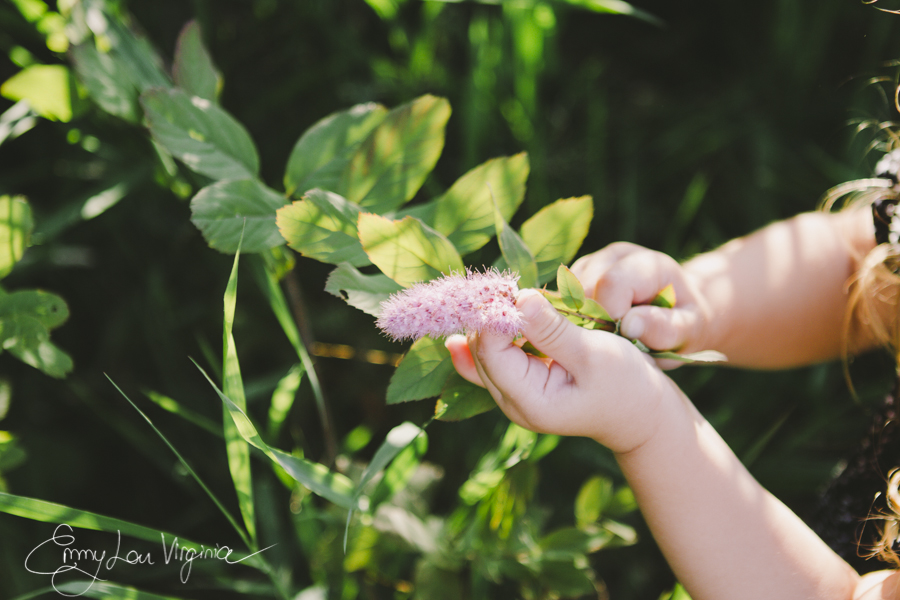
column 474, row 302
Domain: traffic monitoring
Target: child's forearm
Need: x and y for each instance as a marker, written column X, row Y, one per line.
column 778, row 297
column 724, row 536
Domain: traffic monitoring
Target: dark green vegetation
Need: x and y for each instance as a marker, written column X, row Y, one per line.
column 723, row 118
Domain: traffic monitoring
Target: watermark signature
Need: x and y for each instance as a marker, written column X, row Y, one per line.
column 92, row 563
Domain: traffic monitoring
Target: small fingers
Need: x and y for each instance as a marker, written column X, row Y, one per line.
column 462, row 359
column 635, row 279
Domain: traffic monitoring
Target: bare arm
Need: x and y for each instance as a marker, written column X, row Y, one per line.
column 773, row 299
column 779, row 297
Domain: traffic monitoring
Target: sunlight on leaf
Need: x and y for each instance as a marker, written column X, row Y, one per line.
column 422, row 373
column 323, row 226
column 16, row 225
column 555, row 233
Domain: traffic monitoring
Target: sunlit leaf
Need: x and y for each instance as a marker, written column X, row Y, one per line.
column 407, row 251
column 592, row 498
column 193, row 69
column 391, row 164
column 666, row 298
column 422, row 373
column 15, row 231
column 173, row 406
column 225, row 210
column 462, row 400
column 107, row 80
column 365, row 292
column 555, row 233
column 322, row 153
column 515, row 253
column 570, row 289
column 283, row 399
column 314, row 476
column 323, row 226
column 397, row 439
column 705, row 356
column 398, row 475
column 465, row 212
column 200, row 134
column 233, row 387
column 45, row 87
column 26, row 318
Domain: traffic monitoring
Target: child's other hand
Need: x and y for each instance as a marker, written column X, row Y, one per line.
column 625, row 278
column 596, row 384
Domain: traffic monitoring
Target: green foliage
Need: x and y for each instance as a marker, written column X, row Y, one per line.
column 743, row 113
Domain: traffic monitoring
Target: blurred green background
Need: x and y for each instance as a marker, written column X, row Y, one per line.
column 689, row 123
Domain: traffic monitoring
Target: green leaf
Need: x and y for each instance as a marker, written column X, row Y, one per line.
column 16, row 224
column 407, row 251
column 572, row 542
column 594, row 496
column 322, row 153
column 391, row 164
column 233, row 387
column 398, row 475
column 323, row 226
column 225, row 210
column 397, row 439
column 49, row 512
column 570, row 290
column 174, row 407
column 365, row 292
column 45, row 87
column 422, row 373
column 709, row 356
column 193, row 70
column 465, row 212
column 616, row 7
column 106, row 590
column 199, row 133
column 462, row 400
column 314, row 476
column 107, row 82
column 26, row 318
column 283, row 399
column 555, row 233
column 515, row 253
column 666, row 298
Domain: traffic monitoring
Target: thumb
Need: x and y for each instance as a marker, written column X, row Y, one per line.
column 550, row 332
column 662, row 328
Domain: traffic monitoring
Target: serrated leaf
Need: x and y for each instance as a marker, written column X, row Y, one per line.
column 365, row 292
column 391, row 164
column 323, row 226
column 200, row 134
column 465, row 212
column 45, row 87
column 422, row 373
column 407, row 251
column 555, row 233
column 570, row 289
column 462, row 399
column 666, row 298
column 322, row 153
column 225, row 210
column 193, row 69
column 16, row 224
column 516, row 254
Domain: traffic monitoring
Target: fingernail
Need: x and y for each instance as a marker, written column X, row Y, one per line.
column 528, row 303
column 632, row 328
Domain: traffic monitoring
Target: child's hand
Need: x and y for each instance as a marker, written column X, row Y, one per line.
column 596, row 384
column 625, row 278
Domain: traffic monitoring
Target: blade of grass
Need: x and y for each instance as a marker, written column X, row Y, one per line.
column 174, row 407
column 237, row 449
column 283, row 399
column 314, row 476
column 268, row 283
column 96, row 589
column 196, row 477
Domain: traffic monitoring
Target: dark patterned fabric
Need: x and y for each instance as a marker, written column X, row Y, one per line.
column 840, row 518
